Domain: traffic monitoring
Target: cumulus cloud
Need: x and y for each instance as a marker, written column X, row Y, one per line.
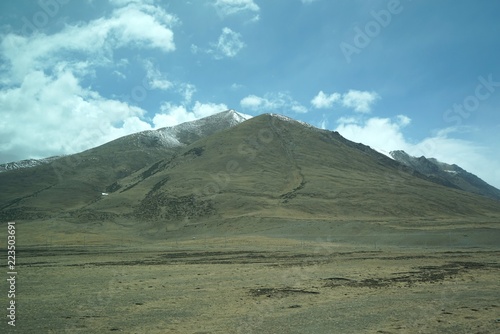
column 232, row 7
column 91, row 44
column 281, row 101
column 359, row 101
column 254, row 102
column 228, row 44
column 324, row 101
column 380, row 133
column 46, row 110
column 172, row 114
column 58, row 112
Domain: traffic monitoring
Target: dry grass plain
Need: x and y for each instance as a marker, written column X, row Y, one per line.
column 256, row 283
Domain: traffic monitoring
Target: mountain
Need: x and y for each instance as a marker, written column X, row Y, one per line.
column 272, row 169
column 70, row 182
column 448, row 175
column 232, row 174
column 25, row 163
column 167, row 137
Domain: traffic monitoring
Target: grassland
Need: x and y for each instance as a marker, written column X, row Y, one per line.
column 436, row 278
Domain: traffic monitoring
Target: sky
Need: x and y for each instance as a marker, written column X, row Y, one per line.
column 421, row 76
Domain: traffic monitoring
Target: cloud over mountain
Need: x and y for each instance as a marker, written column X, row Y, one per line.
column 359, row 101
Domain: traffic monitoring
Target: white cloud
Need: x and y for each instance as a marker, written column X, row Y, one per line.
column 228, row 45
column 121, row 3
column 187, row 91
column 253, row 102
column 139, row 26
column 232, row 7
column 194, row 49
column 359, row 101
column 175, row 114
column 379, row 133
column 156, row 80
column 272, row 102
column 119, row 74
column 384, row 134
column 403, row 120
column 45, row 108
column 324, row 101
column 298, row 108
column 53, row 115
column 236, row 86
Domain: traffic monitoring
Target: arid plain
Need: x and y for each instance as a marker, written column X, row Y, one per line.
column 439, row 279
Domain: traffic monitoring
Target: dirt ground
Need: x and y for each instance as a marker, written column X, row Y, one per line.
column 255, row 285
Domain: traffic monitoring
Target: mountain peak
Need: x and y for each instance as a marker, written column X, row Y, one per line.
column 446, row 174
column 163, row 138
column 237, row 115
column 288, row 119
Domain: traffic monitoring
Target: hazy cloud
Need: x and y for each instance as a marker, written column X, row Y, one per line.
column 281, row 101
column 91, row 44
column 228, row 44
column 156, row 79
column 232, row 7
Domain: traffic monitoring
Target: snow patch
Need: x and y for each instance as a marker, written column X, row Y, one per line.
column 28, row 163
column 291, row 120
column 167, row 137
column 387, row 154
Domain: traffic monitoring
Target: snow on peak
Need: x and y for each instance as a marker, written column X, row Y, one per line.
column 173, row 136
column 27, row 163
column 291, row 120
column 240, row 117
column 384, row 152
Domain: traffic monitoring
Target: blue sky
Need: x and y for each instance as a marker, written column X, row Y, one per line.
column 422, row 76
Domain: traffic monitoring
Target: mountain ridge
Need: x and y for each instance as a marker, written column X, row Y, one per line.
column 265, row 167
column 263, row 170
column 450, row 175
column 78, row 178
column 172, row 136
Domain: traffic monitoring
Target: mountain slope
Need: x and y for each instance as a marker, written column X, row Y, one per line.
column 446, row 174
column 27, row 163
column 72, row 182
column 270, row 167
column 223, row 170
